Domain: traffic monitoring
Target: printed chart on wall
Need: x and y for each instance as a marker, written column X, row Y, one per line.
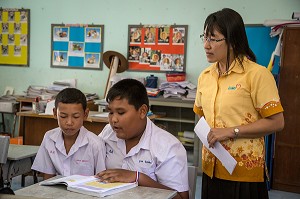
column 157, row 48
column 14, row 37
column 77, row 46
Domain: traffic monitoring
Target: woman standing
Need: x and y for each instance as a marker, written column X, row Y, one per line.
column 239, row 100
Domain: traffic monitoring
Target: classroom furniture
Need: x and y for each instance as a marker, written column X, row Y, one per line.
column 60, row 192
column 8, row 107
column 286, row 173
column 36, row 125
column 178, row 116
column 4, row 144
column 6, row 196
column 19, row 161
column 25, row 104
column 192, row 174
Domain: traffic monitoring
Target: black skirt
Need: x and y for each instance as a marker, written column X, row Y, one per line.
column 222, row 189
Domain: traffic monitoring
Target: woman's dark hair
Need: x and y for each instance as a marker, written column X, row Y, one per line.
column 132, row 90
column 230, row 24
column 71, row 96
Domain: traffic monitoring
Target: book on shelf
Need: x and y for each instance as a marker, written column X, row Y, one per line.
column 186, row 138
column 187, row 134
column 90, row 185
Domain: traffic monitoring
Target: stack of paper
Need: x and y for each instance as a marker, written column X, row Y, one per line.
column 186, row 138
column 176, row 89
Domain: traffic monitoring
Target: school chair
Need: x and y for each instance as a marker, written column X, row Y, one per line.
column 4, row 144
column 192, row 176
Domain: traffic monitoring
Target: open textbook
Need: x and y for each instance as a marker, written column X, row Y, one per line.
column 90, row 185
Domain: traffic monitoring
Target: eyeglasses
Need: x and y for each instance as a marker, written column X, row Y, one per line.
column 210, row 40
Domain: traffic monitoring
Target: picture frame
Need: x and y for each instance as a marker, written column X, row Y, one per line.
column 77, row 46
column 14, row 37
column 158, row 48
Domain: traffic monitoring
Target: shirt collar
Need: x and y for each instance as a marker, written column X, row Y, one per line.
column 81, row 140
column 234, row 67
column 144, row 142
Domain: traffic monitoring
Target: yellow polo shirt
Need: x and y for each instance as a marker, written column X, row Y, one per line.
column 243, row 96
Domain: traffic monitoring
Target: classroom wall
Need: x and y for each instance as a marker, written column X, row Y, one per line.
column 116, row 15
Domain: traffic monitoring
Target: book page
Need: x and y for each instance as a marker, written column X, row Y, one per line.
column 69, row 180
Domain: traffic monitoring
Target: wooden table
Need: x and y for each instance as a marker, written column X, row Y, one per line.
column 19, row 160
column 36, row 125
column 60, row 192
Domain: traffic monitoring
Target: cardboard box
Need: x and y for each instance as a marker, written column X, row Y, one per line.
column 8, row 107
column 17, row 140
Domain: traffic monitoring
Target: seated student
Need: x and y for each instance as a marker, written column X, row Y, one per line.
column 70, row 149
column 138, row 150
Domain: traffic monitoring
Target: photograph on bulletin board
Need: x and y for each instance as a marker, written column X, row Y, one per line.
column 77, row 46
column 157, row 48
column 14, row 37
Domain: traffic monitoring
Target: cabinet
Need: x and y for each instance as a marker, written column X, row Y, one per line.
column 286, row 173
column 177, row 116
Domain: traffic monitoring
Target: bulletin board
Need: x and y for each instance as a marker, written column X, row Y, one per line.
column 260, row 42
column 77, row 46
column 14, row 37
column 157, row 48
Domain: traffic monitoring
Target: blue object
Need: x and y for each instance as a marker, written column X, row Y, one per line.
column 151, row 81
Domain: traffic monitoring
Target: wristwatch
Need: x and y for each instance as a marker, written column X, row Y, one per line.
column 236, row 132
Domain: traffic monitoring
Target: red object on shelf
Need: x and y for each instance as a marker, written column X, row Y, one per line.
column 175, row 77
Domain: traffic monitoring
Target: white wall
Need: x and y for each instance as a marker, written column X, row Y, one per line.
column 116, row 15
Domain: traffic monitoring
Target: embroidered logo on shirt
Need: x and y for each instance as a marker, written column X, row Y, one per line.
column 79, row 161
column 234, row 87
column 146, row 161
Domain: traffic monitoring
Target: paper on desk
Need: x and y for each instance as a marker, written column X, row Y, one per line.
column 104, row 114
column 202, row 129
column 49, row 107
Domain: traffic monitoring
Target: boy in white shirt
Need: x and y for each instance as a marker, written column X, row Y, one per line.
column 70, row 149
column 138, row 150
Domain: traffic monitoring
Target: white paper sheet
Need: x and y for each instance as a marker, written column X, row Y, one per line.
column 104, row 114
column 49, row 108
column 202, row 129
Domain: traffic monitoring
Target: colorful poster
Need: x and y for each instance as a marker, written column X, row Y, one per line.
column 14, row 33
column 157, row 48
column 77, row 46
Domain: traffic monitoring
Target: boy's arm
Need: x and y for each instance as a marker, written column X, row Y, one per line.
column 122, row 175
column 47, row 176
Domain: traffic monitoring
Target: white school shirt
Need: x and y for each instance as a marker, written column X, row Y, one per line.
column 158, row 154
column 86, row 156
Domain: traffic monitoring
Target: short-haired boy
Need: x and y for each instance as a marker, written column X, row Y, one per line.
column 70, row 149
column 138, row 150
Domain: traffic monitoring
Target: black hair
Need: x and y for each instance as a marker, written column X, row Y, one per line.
column 132, row 90
column 71, row 96
column 230, row 24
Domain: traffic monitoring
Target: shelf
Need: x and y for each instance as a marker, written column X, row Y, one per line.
column 177, row 116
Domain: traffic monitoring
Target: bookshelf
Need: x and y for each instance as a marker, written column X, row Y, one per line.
column 178, row 116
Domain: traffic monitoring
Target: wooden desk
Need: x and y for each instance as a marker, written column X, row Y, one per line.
column 36, row 125
column 60, row 192
column 19, row 160
column 25, row 104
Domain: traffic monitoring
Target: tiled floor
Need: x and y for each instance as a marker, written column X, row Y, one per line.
column 273, row 194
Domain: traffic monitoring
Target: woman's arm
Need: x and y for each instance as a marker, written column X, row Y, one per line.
column 256, row 129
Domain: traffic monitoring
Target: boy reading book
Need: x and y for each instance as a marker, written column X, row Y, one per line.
column 138, row 150
column 70, row 149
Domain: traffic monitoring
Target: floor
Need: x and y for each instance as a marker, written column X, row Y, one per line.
column 273, row 194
